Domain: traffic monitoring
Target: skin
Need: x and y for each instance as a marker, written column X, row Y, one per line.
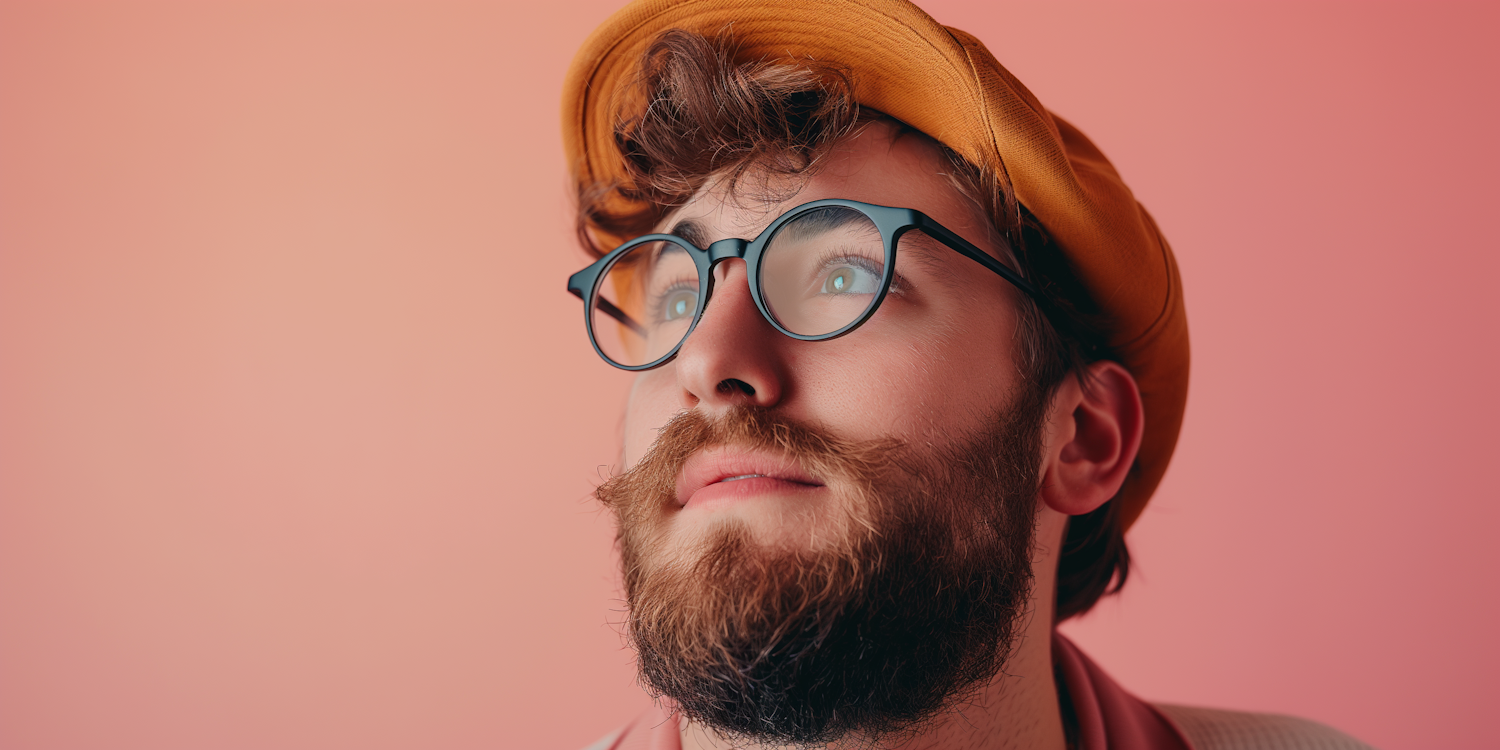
column 927, row 367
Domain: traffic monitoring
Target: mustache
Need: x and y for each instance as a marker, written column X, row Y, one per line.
column 859, row 463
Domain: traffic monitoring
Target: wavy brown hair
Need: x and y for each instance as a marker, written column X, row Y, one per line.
column 698, row 112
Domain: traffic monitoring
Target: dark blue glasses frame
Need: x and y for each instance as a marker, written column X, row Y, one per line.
column 891, row 222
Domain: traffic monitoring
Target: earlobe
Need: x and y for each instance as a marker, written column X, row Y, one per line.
column 1093, row 435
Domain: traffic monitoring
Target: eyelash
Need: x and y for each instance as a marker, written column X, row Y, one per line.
column 832, row 257
column 658, row 298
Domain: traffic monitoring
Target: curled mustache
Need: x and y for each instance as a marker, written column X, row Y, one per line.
column 858, row 464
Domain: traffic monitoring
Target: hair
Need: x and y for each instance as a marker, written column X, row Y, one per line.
column 698, row 113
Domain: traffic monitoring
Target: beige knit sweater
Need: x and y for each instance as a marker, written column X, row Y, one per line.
column 1214, row 729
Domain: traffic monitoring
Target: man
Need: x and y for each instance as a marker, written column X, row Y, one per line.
column 910, row 360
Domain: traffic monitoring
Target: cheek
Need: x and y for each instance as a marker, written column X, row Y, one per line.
column 977, row 368
column 923, row 376
column 652, row 403
column 927, row 380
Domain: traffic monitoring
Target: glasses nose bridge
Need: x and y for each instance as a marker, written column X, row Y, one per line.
column 730, row 248
column 725, row 249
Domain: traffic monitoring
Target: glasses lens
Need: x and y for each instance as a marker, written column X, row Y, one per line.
column 822, row 270
column 645, row 303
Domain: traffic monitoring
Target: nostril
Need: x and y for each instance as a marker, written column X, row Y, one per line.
column 731, row 385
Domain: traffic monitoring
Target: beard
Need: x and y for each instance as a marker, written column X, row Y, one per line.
column 909, row 610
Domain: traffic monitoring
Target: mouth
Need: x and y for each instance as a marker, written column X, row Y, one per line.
column 718, row 478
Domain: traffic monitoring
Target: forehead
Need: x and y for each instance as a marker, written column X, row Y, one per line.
column 877, row 164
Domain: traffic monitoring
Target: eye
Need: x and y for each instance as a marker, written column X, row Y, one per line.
column 847, row 278
column 679, row 303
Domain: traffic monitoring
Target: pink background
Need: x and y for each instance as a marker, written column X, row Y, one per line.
column 298, row 426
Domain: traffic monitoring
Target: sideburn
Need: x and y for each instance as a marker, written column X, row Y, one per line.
column 913, row 611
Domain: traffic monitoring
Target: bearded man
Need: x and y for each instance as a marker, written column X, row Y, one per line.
column 911, row 359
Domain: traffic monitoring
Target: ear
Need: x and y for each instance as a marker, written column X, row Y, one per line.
column 1093, row 435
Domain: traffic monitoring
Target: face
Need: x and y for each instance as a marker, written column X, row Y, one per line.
column 935, row 360
column 802, row 520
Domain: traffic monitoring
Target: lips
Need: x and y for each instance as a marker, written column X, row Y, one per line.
column 719, row 475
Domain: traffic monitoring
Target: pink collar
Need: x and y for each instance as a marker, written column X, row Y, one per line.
column 1108, row 717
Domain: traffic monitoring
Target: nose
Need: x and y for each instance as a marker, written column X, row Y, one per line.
column 733, row 356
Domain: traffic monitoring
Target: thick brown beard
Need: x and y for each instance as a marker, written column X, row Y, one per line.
column 912, row 609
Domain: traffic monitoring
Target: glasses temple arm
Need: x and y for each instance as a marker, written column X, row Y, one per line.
column 969, row 250
column 614, row 312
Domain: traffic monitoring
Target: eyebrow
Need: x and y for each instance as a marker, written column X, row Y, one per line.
column 938, row 259
column 825, row 220
column 817, row 221
column 691, row 231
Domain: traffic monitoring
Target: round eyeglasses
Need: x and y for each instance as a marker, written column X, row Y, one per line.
column 817, row 272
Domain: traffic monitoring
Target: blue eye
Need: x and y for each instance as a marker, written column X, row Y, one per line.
column 679, row 304
column 850, row 279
